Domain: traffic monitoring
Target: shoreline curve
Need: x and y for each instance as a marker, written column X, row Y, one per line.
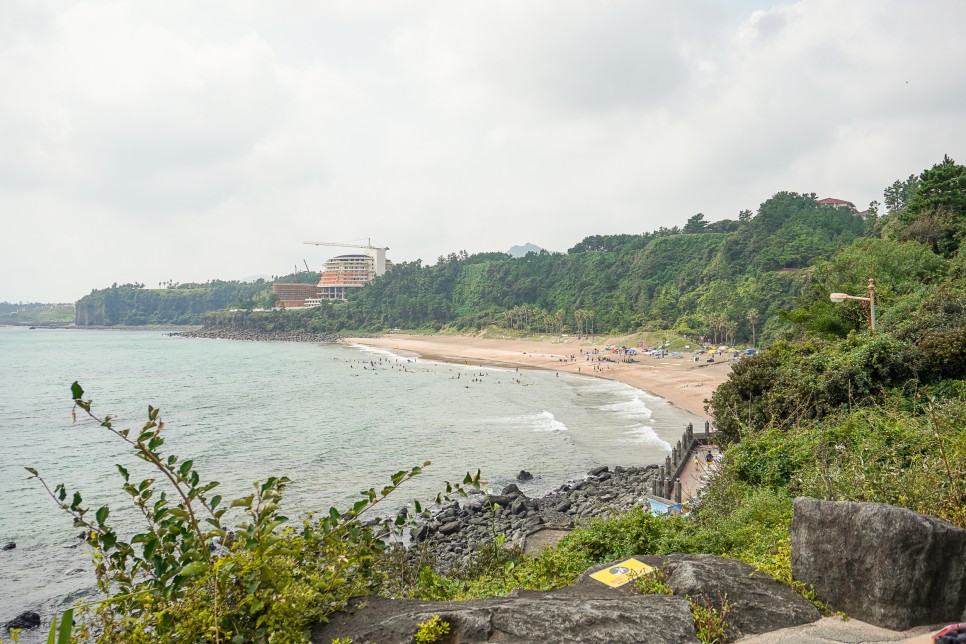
column 681, row 382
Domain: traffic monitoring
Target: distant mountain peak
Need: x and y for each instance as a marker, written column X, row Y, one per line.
column 520, row 251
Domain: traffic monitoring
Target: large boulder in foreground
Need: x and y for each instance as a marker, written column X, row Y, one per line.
column 590, row 611
column 758, row 603
column 881, row 564
column 551, row 616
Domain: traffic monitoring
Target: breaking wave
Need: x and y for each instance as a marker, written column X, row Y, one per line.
column 542, row 422
column 633, row 409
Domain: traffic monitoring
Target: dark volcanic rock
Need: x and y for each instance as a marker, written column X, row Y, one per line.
column 450, row 528
column 881, row 564
column 26, row 619
column 498, row 499
column 553, row 616
column 419, row 533
column 759, row 604
column 223, row 333
column 524, row 476
column 9, row 546
column 517, row 515
column 597, row 471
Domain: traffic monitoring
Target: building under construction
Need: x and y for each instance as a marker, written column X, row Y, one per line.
column 340, row 276
column 292, row 296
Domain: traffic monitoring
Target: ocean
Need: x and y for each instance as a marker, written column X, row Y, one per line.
column 335, row 418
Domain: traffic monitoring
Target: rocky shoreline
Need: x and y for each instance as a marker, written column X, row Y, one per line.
column 453, row 535
column 257, row 336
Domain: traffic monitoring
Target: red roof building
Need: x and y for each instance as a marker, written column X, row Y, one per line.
column 839, row 203
column 842, row 203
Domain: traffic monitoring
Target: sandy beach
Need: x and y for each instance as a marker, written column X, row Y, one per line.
column 681, row 381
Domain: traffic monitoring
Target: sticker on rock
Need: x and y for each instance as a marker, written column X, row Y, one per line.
column 621, row 573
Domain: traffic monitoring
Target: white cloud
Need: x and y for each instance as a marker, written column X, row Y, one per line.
column 186, row 141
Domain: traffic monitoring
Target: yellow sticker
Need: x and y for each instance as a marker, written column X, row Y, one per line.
column 621, row 573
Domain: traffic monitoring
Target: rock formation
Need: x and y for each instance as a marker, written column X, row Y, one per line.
column 881, row 564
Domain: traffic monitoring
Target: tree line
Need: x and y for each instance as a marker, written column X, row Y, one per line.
column 735, row 280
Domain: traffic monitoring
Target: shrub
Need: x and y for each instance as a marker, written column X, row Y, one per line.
column 432, row 630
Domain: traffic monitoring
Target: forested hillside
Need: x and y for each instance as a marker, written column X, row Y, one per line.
column 829, row 361
column 727, row 280
column 730, row 281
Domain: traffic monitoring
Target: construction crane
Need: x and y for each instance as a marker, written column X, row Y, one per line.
column 378, row 253
column 351, row 244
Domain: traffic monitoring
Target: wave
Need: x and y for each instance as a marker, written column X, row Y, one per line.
column 635, row 408
column 379, row 351
column 542, row 422
column 645, row 434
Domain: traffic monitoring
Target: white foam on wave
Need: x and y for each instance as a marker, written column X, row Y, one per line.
column 466, row 365
column 645, row 434
column 542, row 422
column 385, row 353
column 635, row 408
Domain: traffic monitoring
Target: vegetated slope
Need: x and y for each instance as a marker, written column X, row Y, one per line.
column 664, row 279
column 133, row 304
column 727, row 280
column 704, row 279
column 837, row 411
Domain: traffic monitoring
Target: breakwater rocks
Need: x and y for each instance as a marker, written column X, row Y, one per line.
column 453, row 535
column 257, row 336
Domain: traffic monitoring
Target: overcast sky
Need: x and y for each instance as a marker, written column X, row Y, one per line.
column 185, row 140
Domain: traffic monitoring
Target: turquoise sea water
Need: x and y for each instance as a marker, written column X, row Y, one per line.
column 334, row 418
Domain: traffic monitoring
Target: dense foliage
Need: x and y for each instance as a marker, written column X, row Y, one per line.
column 173, row 303
column 726, row 280
column 132, row 304
column 731, row 280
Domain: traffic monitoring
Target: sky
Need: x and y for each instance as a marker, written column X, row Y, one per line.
column 188, row 141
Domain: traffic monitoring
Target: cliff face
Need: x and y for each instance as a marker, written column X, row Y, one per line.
column 90, row 312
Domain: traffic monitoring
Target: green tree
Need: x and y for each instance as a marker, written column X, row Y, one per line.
column 936, row 213
column 752, row 317
column 942, row 187
column 696, row 224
